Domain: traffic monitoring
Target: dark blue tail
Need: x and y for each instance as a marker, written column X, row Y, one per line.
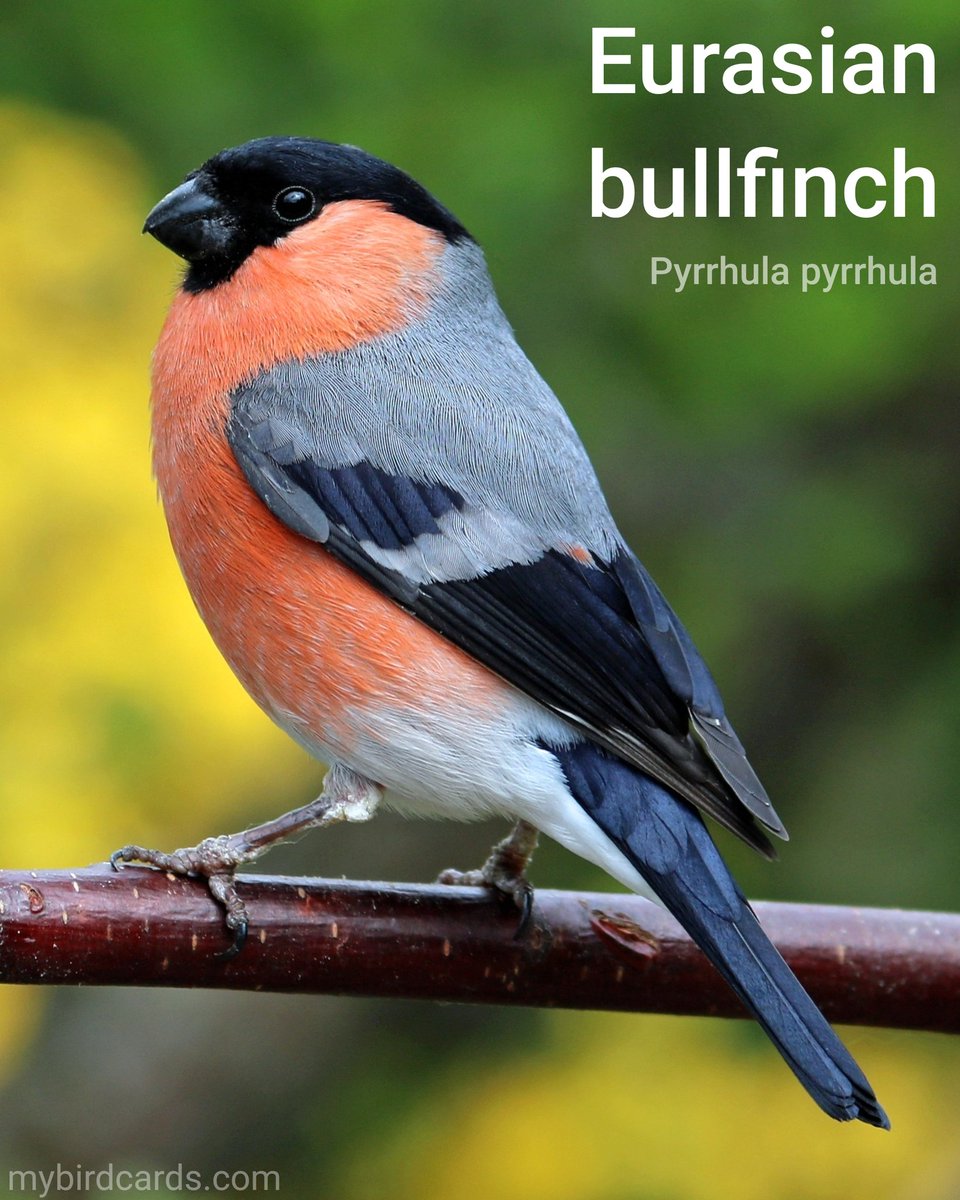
column 666, row 839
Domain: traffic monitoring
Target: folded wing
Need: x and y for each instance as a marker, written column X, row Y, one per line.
column 581, row 628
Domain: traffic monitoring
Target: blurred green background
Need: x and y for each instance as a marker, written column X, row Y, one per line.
column 786, row 465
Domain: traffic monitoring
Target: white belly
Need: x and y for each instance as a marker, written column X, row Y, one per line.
column 440, row 763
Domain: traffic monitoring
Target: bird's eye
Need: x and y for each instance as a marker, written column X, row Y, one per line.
column 294, row 204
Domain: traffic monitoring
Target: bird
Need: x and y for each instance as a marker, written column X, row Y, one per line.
column 396, row 539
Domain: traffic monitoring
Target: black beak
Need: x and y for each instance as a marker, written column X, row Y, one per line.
column 191, row 223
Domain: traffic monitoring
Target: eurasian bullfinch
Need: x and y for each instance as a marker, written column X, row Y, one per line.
column 396, row 538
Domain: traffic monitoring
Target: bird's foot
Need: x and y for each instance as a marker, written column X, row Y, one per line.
column 216, row 860
column 505, row 871
column 346, row 796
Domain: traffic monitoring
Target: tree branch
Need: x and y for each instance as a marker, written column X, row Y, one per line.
column 599, row 950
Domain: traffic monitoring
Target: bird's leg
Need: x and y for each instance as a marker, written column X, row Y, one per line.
column 346, row 796
column 505, row 870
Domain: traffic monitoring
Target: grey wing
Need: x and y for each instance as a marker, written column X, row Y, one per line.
column 471, row 416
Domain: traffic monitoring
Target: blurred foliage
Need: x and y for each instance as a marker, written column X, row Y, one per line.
column 730, row 1124
column 786, row 465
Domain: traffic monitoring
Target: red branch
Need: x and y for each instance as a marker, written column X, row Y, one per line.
column 599, row 950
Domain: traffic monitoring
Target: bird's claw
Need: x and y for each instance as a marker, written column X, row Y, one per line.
column 505, row 871
column 346, row 796
column 214, row 859
column 223, row 888
column 525, row 903
column 500, row 878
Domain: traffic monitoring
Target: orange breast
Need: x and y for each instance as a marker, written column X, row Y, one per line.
column 307, row 636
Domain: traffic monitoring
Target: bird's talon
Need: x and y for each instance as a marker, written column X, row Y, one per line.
column 524, row 901
column 239, row 929
column 223, row 888
column 503, row 882
column 505, row 872
column 140, row 854
column 214, row 860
